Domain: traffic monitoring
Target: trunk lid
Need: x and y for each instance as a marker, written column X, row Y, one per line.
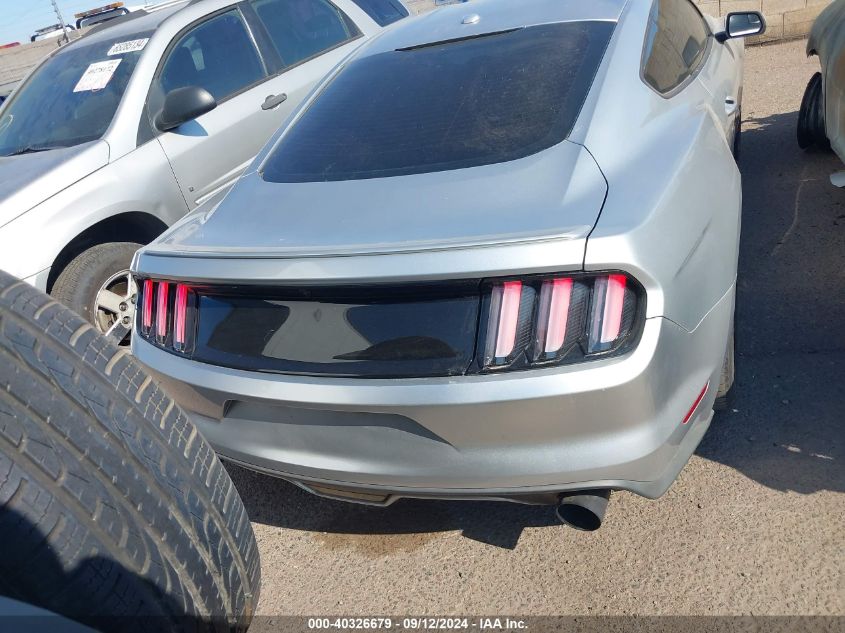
column 557, row 193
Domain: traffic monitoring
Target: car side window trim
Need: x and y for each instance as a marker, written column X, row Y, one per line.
column 702, row 60
column 254, row 39
column 273, row 61
column 258, row 24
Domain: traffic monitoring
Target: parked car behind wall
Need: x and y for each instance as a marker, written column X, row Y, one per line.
column 49, row 32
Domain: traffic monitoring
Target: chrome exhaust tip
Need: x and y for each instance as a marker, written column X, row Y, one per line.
column 584, row 509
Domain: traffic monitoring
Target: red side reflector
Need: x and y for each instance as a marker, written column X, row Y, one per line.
column 696, row 403
column 561, row 294
column 508, row 318
column 161, row 309
column 180, row 317
column 613, row 302
column 147, row 313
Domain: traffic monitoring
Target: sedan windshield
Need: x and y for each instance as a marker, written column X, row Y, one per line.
column 71, row 99
column 449, row 105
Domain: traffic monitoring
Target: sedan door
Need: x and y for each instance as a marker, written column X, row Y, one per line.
column 303, row 40
column 218, row 54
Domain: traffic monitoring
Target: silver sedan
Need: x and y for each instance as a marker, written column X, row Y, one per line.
column 493, row 256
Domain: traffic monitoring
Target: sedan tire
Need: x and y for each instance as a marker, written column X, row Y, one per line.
column 811, row 127
column 96, row 284
column 114, row 509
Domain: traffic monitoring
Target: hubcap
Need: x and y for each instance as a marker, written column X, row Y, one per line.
column 114, row 307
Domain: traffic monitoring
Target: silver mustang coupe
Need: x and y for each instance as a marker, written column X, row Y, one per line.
column 493, row 256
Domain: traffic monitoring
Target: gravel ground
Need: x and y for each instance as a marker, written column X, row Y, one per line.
column 754, row 525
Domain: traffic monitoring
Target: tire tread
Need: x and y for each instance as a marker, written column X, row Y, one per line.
column 84, row 411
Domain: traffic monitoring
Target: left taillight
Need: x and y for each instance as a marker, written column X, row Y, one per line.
column 167, row 314
column 556, row 319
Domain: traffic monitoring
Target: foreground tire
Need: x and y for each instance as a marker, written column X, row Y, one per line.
column 96, row 284
column 114, row 511
column 811, row 130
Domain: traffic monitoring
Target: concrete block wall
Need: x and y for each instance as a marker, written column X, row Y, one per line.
column 785, row 19
column 16, row 62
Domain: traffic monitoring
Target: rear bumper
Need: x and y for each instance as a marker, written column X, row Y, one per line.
column 523, row 436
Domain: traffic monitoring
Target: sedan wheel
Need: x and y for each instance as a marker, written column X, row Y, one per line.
column 811, row 128
column 98, row 286
column 114, row 307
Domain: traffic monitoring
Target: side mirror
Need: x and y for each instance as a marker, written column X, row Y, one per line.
column 742, row 24
column 182, row 105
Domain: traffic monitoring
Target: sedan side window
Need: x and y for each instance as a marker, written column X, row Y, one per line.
column 300, row 29
column 383, row 12
column 676, row 43
column 218, row 55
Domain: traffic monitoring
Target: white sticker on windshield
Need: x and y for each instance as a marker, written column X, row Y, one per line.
column 128, row 47
column 97, row 76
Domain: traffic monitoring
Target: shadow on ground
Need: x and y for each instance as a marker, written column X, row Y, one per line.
column 786, row 429
column 285, row 505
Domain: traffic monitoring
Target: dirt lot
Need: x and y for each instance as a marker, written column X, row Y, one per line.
column 754, row 525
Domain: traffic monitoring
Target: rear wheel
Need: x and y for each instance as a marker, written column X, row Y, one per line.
column 811, row 130
column 97, row 285
column 114, row 510
column 737, row 146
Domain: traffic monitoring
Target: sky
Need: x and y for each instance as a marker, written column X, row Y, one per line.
column 20, row 18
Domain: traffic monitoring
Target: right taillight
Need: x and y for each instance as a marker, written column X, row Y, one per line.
column 607, row 312
column 545, row 320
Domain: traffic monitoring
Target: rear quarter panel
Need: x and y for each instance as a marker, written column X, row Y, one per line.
column 672, row 213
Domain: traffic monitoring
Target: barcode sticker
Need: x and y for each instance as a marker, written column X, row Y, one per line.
column 128, row 47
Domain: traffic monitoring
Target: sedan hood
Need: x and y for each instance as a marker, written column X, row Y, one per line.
column 557, row 193
column 29, row 179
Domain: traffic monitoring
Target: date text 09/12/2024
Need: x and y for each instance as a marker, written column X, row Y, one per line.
column 418, row 623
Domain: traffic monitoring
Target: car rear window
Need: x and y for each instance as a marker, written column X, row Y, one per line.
column 450, row 105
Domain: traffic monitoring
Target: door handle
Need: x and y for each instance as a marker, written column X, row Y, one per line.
column 274, row 101
column 730, row 106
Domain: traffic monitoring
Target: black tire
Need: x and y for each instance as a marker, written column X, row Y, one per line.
column 726, row 381
column 811, row 128
column 114, row 511
column 80, row 281
column 737, row 147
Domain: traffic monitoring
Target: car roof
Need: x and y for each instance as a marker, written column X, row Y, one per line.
column 459, row 21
